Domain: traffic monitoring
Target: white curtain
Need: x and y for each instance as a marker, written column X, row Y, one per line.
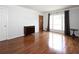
column 57, row 22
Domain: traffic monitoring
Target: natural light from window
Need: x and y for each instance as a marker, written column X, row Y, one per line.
column 57, row 22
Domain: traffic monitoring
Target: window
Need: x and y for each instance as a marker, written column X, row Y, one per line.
column 57, row 22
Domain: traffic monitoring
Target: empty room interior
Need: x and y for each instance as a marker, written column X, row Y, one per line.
column 39, row 29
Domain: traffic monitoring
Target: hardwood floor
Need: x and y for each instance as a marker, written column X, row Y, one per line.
column 41, row 43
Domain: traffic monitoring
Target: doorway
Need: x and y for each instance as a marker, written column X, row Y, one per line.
column 40, row 23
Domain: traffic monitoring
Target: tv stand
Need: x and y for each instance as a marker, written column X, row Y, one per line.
column 29, row 30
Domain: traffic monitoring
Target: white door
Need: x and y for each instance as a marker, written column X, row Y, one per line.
column 3, row 24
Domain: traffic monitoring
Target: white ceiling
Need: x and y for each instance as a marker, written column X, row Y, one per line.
column 46, row 8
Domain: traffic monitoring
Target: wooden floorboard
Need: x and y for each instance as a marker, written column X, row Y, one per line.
column 41, row 43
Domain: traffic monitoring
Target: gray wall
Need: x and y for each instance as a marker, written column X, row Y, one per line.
column 74, row 19
column 45, row 21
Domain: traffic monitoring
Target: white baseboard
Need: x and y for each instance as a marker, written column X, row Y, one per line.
column 15, row 36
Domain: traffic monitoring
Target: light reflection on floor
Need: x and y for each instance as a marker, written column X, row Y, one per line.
column 57, row 42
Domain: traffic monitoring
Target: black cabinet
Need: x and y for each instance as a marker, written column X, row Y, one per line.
column 29, row 30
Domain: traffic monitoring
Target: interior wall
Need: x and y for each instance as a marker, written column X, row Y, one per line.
column 45, row 21
column 17, row 18
column 74, row 19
